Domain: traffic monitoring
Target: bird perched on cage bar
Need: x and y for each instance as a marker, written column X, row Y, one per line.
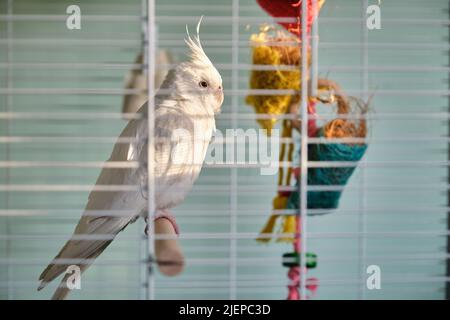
column 185, row 107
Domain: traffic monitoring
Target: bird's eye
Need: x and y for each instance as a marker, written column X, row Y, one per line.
column 203, row 84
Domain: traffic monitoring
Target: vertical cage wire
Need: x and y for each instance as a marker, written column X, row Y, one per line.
column 447, row 271
column 143, row 243
column 362, row 227
column 304, row 148
column 234, row 173
column 9, row 103
column 150, row 54
column 314, row 52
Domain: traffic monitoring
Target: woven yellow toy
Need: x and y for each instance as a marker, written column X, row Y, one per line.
column 275, row 48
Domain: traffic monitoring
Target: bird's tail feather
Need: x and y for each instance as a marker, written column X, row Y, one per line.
column 90, row 250
column 62, row 291
column 53, row 270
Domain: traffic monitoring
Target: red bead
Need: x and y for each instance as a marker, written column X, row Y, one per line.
column 288, row 8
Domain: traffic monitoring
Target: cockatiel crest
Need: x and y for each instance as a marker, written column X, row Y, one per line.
column 195, row 79
column 197, row 54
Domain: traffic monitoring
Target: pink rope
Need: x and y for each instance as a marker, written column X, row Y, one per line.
column 294, row 274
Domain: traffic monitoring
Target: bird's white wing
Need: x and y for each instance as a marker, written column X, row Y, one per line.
column 128, row 203
column 103, row 202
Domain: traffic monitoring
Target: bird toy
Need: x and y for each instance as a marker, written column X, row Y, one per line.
column 329, row 93
column 345, row 152
column 284, row 50
column 280, row 202
column 291, row 260
column 278, row 48
column 272, row 47
column 290, row 8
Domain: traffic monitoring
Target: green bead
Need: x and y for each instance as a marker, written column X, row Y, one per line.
column 292, row 259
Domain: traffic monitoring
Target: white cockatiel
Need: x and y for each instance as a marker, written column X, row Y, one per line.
column 187, row 101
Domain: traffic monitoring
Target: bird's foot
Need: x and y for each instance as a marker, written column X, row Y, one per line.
column 146, row 226
column 169, row 256
column 162, row 214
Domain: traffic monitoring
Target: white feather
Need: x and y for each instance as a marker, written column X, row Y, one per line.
column 197, row 54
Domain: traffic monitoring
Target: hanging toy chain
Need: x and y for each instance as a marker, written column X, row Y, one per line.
column 291, row 223
column 280, row 202
column 294, row 270
column 294, row 273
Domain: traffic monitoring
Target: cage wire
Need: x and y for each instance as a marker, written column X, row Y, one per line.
column 61, row 99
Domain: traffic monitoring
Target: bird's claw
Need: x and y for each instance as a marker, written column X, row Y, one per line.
column 146, row 226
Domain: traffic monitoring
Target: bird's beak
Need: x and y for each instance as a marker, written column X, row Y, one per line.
column 219, row 95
